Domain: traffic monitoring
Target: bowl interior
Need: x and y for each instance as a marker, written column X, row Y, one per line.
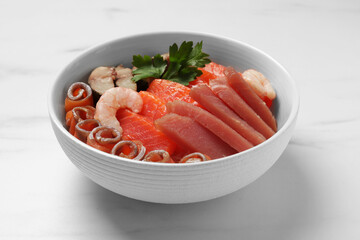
column 225, row 51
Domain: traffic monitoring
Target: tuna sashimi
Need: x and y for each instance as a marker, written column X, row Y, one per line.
column 212, row 123
column 224, row 91
column 138, row 127
column 204, row 95
column 153, row 107
column 190, row 135
column 169, row 91
column 237, row 82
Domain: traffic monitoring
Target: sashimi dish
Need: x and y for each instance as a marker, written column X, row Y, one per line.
column 178, row 107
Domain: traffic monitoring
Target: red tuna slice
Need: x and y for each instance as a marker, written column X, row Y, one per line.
column 224, row 91
column 153, row 107
column 212, row 123
column 237, row 82
column 190, row 135
column 204, row 95
column 138, row 127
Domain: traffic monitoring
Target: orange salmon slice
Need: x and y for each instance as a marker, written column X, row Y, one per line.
column 169, row 91
column 153, row 107
column 204, row 78
column 215, row 69
column 138, row 127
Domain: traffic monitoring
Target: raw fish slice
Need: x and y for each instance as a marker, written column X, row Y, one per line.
column 169, row 91
column 204, row 95
column 224, row 91
column 137, row 127
column 202, row 79
column 219, row 71
column 237, row 82
column 215, row 69
column 153, row 107
column 191, row 135
column 212, row 123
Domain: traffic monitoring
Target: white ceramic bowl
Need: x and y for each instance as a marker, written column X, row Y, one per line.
column 175, row 183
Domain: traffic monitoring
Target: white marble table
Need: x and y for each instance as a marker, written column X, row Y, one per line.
column 312, row 192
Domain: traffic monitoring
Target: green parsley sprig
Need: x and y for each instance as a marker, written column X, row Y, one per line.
column 183, row 65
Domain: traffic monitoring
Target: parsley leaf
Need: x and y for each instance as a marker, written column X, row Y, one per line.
column 185, row 75
column 148, row 67
column 197, row 58
column 184, row 61
column 183, row 65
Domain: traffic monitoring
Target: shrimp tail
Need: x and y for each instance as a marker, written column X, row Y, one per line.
column 114, row 99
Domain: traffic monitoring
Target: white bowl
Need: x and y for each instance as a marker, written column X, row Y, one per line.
column 175, row 183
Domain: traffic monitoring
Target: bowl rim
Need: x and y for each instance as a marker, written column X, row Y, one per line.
column 295, row 99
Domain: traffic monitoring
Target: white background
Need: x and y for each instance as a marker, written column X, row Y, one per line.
column 312, row 192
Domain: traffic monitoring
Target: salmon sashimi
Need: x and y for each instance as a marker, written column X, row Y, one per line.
column 210, row 122
column 153, row 107
column 238, row 83
column 204, row 95
column 203, row 78
column 169, row 91
column 191, row 135
column 224, row 91
column 138, row 127
column 214, row 68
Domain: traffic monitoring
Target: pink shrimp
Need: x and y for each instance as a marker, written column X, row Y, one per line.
column 112, row 100
column 259, row 83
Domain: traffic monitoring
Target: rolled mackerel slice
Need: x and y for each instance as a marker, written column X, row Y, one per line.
column 223, row 90
column 203, row 95
column 237, row 82
column 211, row 122
column 190, row 135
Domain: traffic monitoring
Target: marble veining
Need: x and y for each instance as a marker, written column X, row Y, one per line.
column 310, row 193
column 75, row 49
